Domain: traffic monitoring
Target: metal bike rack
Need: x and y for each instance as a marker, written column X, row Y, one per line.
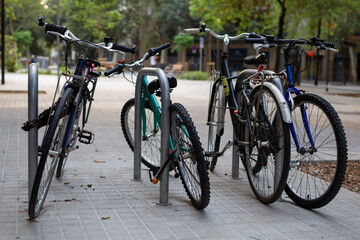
column 32, row 114
column 165, row 128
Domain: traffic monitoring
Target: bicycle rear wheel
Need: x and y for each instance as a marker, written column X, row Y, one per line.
column 151, row 134
column 50, row 153
column 189, row 156
column 268, row 154
column 216, row 122
column 316, row 171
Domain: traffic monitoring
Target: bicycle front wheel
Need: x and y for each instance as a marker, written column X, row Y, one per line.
column 51, row 149
column 71, row 139
column 317, row 169
column 216, row 122
column 189, row 156
column 150, row 133
column 268, row 154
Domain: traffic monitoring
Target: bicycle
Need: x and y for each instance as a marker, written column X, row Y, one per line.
column 186, row 155
column 62, row 118
column 318, row 147
column 260, row 119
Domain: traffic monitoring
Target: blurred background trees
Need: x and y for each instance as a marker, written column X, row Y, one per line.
column 152, row 22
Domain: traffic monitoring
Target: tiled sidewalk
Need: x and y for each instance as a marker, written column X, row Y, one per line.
column 97, row 199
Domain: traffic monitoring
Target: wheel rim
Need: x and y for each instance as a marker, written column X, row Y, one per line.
column 151, row 140
column 187, row 163
column 265, row 156
column 312, row 171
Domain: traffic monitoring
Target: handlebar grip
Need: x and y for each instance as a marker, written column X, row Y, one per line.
column 255, row 40
column 191, row 31
column 329, row 44
column 55, row 28
column 254, row 35
column 117, row 69
column 155, row 50
column 123, row 48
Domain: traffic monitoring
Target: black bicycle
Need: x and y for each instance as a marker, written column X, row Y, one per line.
column 66, row 118
column 260, row 119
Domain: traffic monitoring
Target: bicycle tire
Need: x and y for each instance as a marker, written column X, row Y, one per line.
column 314, row 181
column 48, row 161
column 189, row 156
column 267, row 157
column 150, row 146
column 216, row 123
column 71, row 143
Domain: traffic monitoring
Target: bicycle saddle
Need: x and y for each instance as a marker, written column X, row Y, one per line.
column 155, row 84
column 256, row 60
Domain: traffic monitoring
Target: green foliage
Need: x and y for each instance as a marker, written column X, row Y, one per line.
column 11, row 55
column 172, row 16
column 183, row 42
column 93, row 19
column 23, row 41
column 241, row 15
column 194, row 75
column 339, row 19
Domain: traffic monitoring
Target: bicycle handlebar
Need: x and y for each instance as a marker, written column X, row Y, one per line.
column 120, row 67
column 255, row 40
column 67, row 35
column 155, row 50
column 314, row 41
column 131, row 49
column 188, row 31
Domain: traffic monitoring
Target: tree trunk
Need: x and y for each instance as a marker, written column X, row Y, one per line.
column 353, row 65
column 280, row 32
column 317, row 56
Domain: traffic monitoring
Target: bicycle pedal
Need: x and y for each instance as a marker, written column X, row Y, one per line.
column 212, row 154
column 86, row 137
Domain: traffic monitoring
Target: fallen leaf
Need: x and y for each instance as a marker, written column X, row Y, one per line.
column 96, row 161
column 66, row 183
column 89, row 185
column 102, row 177
column 104, row 218
column 32, row 220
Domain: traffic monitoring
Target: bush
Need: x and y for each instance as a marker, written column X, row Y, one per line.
column 12, row 58
column 194, row 75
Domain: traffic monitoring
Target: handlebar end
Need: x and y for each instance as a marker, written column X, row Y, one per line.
column 40, row 21
column 202, row 27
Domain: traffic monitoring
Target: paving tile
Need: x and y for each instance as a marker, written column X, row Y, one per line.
column 233, row 213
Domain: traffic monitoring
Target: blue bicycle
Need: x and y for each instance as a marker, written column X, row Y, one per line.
column 318, row 147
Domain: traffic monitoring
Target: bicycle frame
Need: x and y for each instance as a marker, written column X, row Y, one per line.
column 229, row 92
column 155, row 107
column 79, row 101
column 291, row 89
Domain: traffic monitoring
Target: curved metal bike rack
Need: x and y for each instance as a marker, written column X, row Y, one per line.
column 32, row 114
column 165, row 128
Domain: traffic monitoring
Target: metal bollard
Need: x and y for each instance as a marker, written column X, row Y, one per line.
column 165, row 128
column 32, row 114
column 235, row 161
